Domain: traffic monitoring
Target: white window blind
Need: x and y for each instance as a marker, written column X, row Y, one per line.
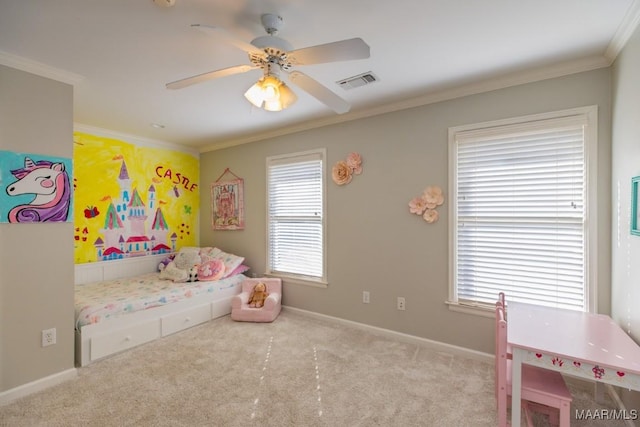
column 519, row 216
column 295, row 198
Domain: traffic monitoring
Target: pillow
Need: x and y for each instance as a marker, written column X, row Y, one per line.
column 242, row 268
column 211, row 270
column 186, row 260
column 189, row 249
column 231, row 262
column 209, row 253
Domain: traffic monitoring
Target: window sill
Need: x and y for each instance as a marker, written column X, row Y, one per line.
column 483, row 310
column 296, row 280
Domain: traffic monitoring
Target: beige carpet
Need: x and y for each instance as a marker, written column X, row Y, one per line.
column 297, row 371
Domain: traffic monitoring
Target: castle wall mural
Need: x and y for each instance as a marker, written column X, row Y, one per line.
column 132, row 200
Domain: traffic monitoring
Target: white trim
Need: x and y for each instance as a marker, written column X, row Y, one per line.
column 590, row 115
column 37, row 385
column 133, row 139
column 624, row 32
column 490, row 84
column 591, row 214
column 468, row 308
column 321, row 282
column 578, row 111
column 411, row 339
column 39, row 69
column 298, row 280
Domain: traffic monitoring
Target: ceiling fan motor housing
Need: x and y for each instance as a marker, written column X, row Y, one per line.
column 271, row 23
column 276, row 50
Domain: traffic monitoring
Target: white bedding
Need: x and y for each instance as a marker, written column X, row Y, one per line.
column 95, row 302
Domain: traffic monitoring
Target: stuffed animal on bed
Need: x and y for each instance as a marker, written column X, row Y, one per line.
column 258, row 295
column 171, row 272
column 165, row 262
column 193, row 274
column 183, row 267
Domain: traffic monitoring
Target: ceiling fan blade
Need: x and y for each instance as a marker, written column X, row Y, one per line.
column 343, row 50
column 224, row 35
column 179, row 84
column 318, row 91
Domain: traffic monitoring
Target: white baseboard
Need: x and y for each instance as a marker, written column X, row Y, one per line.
column 434, row 345
column 37, row 385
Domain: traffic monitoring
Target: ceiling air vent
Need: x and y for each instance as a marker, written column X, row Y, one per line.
column 357, row 81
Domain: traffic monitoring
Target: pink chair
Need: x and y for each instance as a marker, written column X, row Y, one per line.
column 240, row 309
column 502, row 302
column 542, row 390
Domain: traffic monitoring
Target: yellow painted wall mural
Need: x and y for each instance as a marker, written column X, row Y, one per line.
column 132, row 200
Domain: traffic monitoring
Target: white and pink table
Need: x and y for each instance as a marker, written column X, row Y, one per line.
column 585, row 345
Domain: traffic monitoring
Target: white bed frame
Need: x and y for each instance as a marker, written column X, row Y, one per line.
column 97, row 341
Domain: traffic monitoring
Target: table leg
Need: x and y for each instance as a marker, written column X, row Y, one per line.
column 599, row 390
column 516, row 386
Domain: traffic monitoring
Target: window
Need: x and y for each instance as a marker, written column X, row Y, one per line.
column 295, row 215
column 522, row 211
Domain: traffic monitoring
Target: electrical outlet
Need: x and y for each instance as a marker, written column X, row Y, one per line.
column 401, row 303
column 48, row 337
column 365, row 297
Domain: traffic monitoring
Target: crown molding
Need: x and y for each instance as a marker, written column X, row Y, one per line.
column 39, row 69
column 137, row 140
column 624, row 32
column 490, row 84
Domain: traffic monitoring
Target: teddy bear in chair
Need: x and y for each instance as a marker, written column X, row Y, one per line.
column 258, row 301
column 258, row 295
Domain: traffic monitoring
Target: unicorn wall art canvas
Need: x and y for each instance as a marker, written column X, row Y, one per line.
column 35, row 190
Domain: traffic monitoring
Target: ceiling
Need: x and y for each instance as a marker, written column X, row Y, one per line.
column 119, row 54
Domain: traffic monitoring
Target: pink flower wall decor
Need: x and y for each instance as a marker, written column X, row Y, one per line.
column 433, row 197
column 417, row 205
column 343, row 170
column 427, row 203
column 430, row 215
column 341, row 173
column 354, row 161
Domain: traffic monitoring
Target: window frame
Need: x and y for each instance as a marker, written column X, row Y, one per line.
column 293, row 277
column 589, row 115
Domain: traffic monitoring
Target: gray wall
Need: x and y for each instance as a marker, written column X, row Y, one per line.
column 36, row 260
column 374, row 243
column 625, row 283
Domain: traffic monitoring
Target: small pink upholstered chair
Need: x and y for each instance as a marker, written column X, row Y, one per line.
column 240, row 309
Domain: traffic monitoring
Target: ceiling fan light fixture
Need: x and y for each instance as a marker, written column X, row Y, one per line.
column 273, row 55
column 271, row 94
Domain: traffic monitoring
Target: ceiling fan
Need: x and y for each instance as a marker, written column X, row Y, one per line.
column 274, row 55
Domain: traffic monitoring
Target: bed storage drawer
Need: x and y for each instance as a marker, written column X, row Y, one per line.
column 185, row 319
column 123, row 339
